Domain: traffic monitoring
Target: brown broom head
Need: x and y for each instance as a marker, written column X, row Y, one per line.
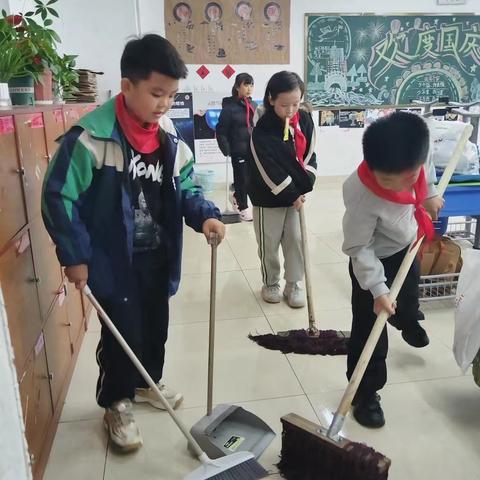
column 308, row 454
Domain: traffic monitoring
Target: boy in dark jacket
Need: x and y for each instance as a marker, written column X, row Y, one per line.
column 233, row 136
column 114, row 199
column 281, row 172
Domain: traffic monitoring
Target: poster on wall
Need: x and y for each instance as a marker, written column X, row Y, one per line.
column 367, row 60
column 181, row 114
column 207, row 108
column 229, row 31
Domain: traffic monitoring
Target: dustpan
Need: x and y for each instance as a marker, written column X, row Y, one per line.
column 227, row 429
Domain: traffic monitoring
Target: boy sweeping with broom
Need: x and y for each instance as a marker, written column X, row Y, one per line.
column 386, row 202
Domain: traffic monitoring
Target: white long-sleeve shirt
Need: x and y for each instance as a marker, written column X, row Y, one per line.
column 375, row 228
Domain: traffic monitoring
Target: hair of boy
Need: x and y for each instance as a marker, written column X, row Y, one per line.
column 396, row 143
column 148, row 54
column 241, row 78
column 282, row 82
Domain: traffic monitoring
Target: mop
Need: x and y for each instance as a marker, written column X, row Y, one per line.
column 238, row 466
column 312, row 340
column 310, row 452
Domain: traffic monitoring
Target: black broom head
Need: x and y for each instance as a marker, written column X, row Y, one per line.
column 308, row 454
column 327, row 342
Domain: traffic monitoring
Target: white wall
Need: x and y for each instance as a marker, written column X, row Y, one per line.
column 97, row 30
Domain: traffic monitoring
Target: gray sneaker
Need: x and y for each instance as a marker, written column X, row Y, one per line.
column 121, row 427
column 294, row 295
column 271, row 294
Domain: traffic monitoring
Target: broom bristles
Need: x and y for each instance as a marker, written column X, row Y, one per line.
column 328, row 342
column 248, row 470
column 307, row 454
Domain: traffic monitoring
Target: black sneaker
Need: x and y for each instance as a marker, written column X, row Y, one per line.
column 368, row 412
column 395, row 321
column 416, row 336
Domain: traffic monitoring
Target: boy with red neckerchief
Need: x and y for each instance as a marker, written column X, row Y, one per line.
column 114, row 200
column 386, row 202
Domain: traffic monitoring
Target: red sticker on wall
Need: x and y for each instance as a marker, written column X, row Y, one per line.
column 6, row 125
column 37, row 120
column 228, row 71
column 203, row 71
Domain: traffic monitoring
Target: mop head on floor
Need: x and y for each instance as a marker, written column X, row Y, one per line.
column 327, row 342
column 307, row 454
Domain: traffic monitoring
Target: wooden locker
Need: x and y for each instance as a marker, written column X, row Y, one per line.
column 58, row 346
column 33, row 157
column 54, row 128
column 18, row 281
column 74, row 311
column 71, row 115
column 12, row 207
column 47, row 268
column 34, row 385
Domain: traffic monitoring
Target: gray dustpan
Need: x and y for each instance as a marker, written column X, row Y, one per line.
column 227, row 429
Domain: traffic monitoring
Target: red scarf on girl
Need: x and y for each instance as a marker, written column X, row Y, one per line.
column 142, row 139
column 299, row 137
column 425, row 225
column 249, row 108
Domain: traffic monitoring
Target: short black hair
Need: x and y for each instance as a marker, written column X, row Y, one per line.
column 396, row 143
column 151, row 53
column 282, row 82
column 241, row 78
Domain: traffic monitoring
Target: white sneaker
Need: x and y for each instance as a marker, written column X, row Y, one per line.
column 246, row 215
column 121, row 427
column 294, row 295
column 271, row 294
column 147, row 395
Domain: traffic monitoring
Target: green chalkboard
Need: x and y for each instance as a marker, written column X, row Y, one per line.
column 361, row 60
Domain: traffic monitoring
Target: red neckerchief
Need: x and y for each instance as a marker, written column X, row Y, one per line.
column 425, row 225
column 249, row 109
column 142, row 139
column 300, row 140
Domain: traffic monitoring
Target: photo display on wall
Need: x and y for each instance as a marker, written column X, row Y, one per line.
column 229, row 31
column 368, row 60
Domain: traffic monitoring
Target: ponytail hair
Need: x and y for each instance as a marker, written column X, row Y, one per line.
column 241, row 78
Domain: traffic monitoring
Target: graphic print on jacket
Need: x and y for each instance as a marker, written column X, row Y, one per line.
column 146, row 178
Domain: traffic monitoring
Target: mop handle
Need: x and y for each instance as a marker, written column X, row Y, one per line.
column 381, row 320
column 308, row 276
column 213, row 241
column 108, row 322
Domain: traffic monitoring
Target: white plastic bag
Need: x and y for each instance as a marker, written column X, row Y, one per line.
column 466, row 341
column 444, row 137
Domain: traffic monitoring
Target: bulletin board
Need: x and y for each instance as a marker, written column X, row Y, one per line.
column 230, row 31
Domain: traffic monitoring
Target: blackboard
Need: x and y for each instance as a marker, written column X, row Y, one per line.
column 371, row 60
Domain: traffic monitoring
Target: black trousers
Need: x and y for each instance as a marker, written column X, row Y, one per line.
column 142, row 320
column 240, row 181
column 363, row 318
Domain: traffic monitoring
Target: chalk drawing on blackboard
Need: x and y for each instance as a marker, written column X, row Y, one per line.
column 374, row 60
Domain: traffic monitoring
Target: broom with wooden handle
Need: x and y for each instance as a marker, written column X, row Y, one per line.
column 241, row 465
column 310, row 341
column 330, row 455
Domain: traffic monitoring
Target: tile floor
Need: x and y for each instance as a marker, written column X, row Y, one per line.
column 432, row 410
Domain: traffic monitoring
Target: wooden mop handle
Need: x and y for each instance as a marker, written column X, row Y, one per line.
column 141, row 369
column 371, row 343
column 308, row 278
column 213, row 241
